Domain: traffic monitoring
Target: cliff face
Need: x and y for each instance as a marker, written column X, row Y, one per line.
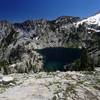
column 19, row 41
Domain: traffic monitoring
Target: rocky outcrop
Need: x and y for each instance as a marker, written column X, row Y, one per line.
column 5, row 80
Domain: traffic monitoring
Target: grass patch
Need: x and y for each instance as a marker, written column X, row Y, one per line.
column 70, row 88
column 38, row 77
column 3, row 88
column 97, row 87
column 88, row 72
column 98, row 81
column 54, row 83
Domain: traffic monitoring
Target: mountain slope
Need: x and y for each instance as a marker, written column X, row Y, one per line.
column 19, row 41
column 92, row 43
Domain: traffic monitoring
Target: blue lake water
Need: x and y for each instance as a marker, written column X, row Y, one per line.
column 56, row 58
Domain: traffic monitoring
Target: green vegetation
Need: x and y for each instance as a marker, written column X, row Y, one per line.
column 77, row 65
column 96, row 87
column 54, row 98
column 85, row 63
column 70, row 88
column 98, row 81
column 11, row 37
column 3, row 88
column 4, row 66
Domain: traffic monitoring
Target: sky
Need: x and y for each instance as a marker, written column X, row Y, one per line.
column 20, row 10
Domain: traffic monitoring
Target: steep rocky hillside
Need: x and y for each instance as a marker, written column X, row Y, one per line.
column 19, row 41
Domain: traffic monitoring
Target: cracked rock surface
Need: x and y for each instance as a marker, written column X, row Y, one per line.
column 53, row 86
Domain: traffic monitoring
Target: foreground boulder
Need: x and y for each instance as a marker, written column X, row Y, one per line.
column 7, row 80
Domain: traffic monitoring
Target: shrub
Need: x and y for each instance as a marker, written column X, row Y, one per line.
column 4, row 65
column 87, row 62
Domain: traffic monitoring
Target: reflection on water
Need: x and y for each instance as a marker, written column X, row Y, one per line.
column 56, row 58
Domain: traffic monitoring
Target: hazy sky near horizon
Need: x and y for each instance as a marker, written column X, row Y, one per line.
column 20, row 10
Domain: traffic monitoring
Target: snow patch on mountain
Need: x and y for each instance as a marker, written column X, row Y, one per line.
column 93, row 20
